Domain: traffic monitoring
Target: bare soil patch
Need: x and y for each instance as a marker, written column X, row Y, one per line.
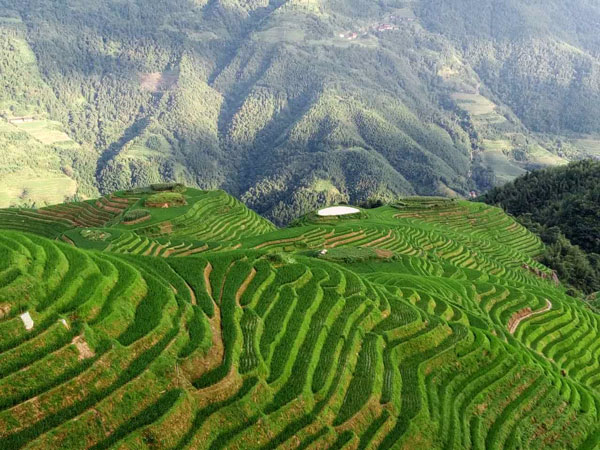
column 157, row 81
column 108, row 208
column 114, row 199
column 84, row 349
column 384, row 254
column 166, row 228
column 140, row 220
column 159, row 248
column 344, row 239
column 149, row 249
column 4, row 310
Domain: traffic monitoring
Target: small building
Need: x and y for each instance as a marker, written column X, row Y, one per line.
column 385, row 27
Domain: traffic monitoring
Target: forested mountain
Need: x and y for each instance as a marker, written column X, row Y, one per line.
column 292, row 104
column 562, row 205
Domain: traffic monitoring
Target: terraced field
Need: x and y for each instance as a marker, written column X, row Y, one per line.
column 426, row 324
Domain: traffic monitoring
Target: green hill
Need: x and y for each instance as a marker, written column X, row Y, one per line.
column 290, row 105
column 562, row 205
column 423, row 324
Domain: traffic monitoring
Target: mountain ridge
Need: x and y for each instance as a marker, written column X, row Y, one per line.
column 270, row 100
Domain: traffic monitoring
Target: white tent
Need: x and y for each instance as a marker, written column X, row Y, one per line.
column 337, row 211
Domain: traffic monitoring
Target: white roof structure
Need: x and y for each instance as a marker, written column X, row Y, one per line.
column 337, row 211
column 27, row 321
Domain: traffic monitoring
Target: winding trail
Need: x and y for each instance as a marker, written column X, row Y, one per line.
column 519, row 316
column 207, row 271
column 244, row 286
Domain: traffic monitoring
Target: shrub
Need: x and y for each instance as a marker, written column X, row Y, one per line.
column 171, row 187
column 165, row 198
column 95, row 235
column 135, row 214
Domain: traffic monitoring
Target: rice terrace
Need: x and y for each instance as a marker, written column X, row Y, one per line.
column 177, row 318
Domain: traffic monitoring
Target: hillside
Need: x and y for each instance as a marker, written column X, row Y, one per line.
column 173, row 318
column 562, row 205
column 292, row 104
column 566, row 197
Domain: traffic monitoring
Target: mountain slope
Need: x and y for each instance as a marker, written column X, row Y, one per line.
column 425, row 324
column 539, row 59
column 566, row 197
column 561, row 205
column 272, row 101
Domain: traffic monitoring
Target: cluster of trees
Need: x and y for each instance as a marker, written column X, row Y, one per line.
column 562, row 205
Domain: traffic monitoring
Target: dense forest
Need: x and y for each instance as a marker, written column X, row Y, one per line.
column 562, row 205
column 292, row 104
column 539, row 58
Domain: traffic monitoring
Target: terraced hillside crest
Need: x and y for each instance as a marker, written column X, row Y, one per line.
column 423, row 324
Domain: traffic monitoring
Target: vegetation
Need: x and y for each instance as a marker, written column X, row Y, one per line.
column 430, row 323
column 172, row 187
column 165, row 198
column 135, row 214
column 95, row 235
column 562, row 205
column 282, row 106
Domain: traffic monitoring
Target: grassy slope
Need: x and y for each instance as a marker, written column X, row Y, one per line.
column 405, row 333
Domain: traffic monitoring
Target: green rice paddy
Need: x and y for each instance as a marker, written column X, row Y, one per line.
column 425, row 324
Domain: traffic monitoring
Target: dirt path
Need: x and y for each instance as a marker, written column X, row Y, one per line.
column 194, row 250
column 207, row 271
column 192, row 293
column 244, row 285
column 525, row 313
column 215, row 355
column 150, row 249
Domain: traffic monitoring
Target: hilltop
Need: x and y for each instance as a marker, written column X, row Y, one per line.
column 292, row 104
column 193, row 322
